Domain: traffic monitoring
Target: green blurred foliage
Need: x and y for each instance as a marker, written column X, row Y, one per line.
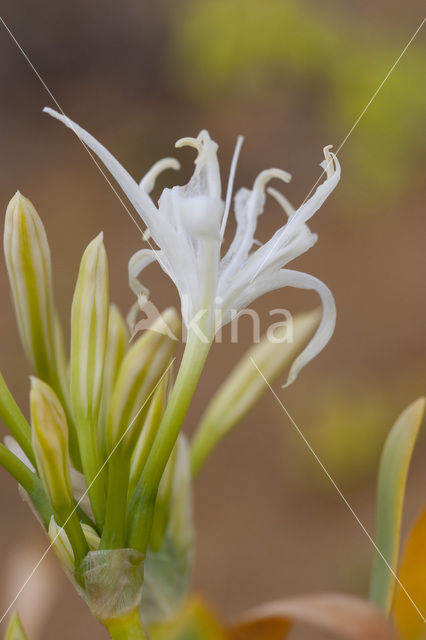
column 347, row 429
column 241, row 48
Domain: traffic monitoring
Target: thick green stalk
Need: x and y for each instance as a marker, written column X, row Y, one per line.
column 92, row 469
column 128, row 627
column 142, row 505
column 114, row 530
column 76, row 537
column 15, row 421
column 28, row 481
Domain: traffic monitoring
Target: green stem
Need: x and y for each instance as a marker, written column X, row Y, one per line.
column 76, row 537
column 128, row 627
column 114, row 531
column 15, row 421
column 28, row 481
column 95, row 479
column 143, row 501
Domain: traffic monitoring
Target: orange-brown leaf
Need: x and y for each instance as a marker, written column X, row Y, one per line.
column 412, row 575
column 342, row 616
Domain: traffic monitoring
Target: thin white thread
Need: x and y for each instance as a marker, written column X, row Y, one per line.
column 232, row 171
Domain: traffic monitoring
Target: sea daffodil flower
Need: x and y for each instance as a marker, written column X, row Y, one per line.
column 188, row 224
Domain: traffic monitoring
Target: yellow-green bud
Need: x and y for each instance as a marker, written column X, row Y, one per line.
column 140, row 372
column 149, row 430
column 89, row 326
column 28, row 263
column 62, row 544
column 50, row 444
column 15, row 630
column 92, row 538
column 117, row 343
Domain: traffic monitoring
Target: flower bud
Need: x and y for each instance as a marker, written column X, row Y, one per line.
column 92, row 538
column 140, row 372
column 149, row 430
column 50, row 444
column 61, row 545
column 15, row 630
column 89, row 326
column 117, row 342
column 28, row 263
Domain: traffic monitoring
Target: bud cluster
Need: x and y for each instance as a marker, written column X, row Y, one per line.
column 102, row 458
column 94, row 419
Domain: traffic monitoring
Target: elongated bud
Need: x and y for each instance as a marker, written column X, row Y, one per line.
column 28, row 263
column 149, row 429
column 91, row 536
column 117, row 343
column 61, row 545
column 244, row 386
column 140, row 372
column 15, row 630
column 89, row 326
column 50, row 444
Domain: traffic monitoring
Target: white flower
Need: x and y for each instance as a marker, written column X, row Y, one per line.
column 187, row 224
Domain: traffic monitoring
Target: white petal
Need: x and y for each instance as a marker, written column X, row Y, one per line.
column 290, row 278
column 230, row 186
column 206, row 177
column 148, row 181
column 311, row 206
column 11, row 444
column 248, row 207
column 137, row 197
column 137, row 263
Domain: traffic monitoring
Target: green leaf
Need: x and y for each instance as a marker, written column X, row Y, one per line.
column 15, row 630
column 393, row 472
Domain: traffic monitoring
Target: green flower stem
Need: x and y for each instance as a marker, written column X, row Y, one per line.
column 142, row 504
column 72, row 430
column 76, row 537
column 15, row 421
column 28, row 481
column 95, row 479
column 114, row 530
column 128, row 627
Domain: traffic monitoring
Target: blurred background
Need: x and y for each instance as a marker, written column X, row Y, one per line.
column 291, row 77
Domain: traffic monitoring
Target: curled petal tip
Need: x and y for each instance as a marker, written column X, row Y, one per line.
column 188, row 142
column 330, row 163
column 269, row 174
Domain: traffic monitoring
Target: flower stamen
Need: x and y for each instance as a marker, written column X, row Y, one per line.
column 230, row 187
column 148, row 181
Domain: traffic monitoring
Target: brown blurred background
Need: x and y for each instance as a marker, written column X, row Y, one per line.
column 291, row 77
